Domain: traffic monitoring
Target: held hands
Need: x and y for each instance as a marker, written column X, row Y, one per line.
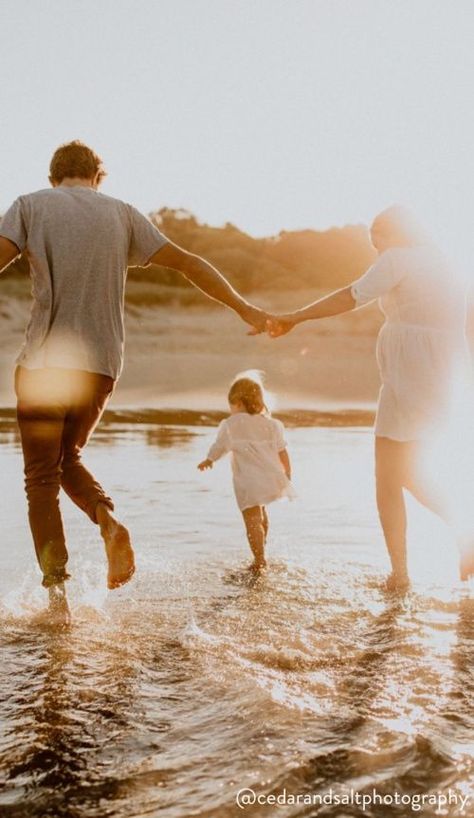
column 261, row 321
column 275, row 325
column 256, row 317
column 206, row 464
column 279, row 325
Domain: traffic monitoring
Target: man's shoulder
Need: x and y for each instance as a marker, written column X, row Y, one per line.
column 35, row 195
column 57, row 192
column 125, row 208
column 112, row 200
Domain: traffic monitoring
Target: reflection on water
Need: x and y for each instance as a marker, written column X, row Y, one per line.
column 170, row 695
column 161, row 436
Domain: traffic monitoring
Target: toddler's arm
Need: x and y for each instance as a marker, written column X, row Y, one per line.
column 205, row 464
column 285, row 462
column 218, row 448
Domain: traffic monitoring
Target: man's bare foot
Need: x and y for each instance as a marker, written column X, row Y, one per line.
column 118, row 548
column 396, row 582
column 59, row 615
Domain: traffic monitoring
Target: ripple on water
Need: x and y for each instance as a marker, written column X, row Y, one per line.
column 169, row 695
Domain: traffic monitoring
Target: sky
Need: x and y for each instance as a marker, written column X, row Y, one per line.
column 270, row 114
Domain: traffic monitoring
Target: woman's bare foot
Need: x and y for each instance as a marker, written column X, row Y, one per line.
column 59, row 615
column 396, row 582
column 466, row 566
column 118, row 548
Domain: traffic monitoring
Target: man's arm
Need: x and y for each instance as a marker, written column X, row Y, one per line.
column 210, row 281
column 8, row 252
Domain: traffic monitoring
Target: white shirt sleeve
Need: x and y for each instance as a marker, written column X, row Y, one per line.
column 221, row 445
column 280, row 435
column 378, row 280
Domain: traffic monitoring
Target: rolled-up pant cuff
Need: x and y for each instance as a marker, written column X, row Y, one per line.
column 105, row 501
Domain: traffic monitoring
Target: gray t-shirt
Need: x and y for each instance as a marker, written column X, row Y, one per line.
column 79, row 244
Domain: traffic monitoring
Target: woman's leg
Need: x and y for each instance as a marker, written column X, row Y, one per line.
column 421, row 485
column 400, row 465
column 390, row 468
column 254, row 524
column 430, row 494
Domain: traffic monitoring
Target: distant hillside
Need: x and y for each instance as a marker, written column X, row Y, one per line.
column 290, row 261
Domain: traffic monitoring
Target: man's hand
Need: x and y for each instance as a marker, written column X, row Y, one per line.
column 257, row 318
column 279, row 325
column 206, row 464
column 8, row 251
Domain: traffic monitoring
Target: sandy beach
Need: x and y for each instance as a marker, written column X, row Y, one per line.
column 184, row 355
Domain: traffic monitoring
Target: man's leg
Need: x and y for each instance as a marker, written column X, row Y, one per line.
column 88, row 397
column 41, row 428
column 91, row 393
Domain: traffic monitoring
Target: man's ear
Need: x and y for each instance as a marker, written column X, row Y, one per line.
column 97, row 179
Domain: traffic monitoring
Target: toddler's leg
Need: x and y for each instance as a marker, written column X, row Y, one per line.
column 265, row 522
column 254, row 523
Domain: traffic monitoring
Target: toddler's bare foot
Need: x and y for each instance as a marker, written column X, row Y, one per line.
column 120, row 556
column 256, row 567
column 397, row 582
column 59, row 615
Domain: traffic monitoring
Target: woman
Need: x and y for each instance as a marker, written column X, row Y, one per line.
column 421, row 350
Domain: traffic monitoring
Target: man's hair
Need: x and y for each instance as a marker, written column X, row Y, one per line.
column 76, row 161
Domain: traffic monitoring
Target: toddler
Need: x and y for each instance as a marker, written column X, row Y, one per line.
column 260, row 462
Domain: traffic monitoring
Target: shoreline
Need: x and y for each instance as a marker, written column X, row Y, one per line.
column 292, row 418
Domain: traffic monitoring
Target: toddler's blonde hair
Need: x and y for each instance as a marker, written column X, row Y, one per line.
column 247, row 389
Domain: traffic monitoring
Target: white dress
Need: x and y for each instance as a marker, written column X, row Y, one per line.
column 254, row 442
column 422, row 351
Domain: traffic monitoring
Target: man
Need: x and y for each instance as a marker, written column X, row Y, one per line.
column 79, row 244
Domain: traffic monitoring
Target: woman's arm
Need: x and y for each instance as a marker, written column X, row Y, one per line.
column 333, row 304
column 285, row 462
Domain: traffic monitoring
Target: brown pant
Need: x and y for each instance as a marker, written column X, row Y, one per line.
column 57, row 411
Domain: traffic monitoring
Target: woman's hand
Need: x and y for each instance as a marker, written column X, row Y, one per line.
column 280, row 325
column 206, row 464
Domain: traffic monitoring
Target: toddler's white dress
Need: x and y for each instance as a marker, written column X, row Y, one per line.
column 421, row 349
column 254, row 442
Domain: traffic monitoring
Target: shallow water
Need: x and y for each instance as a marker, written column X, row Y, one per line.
column 170, row 695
